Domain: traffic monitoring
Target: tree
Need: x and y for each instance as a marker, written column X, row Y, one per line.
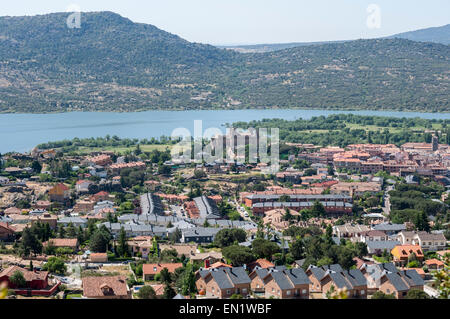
column 227, row 237
column 18, row 280
column 329, row 232
column 345, row 258
column 188, row 284
column 70, row 231
column 417, row 294
column 318, row 210
column 37, row 167
column 442, row 279
column 264, row 248
column 360, row 249
column 334, row 293
column 175, row 236
column 297, row 249
column 122, row 249
column 165, row 276
column 55, row 265
column 421, row 221
column 61, row 232
column 169, row 293
column 381, row 295
column 324, row 261
column 147, row 292
column 99, row 241
column 413, row 264
column 238, row 255
column 30, row 243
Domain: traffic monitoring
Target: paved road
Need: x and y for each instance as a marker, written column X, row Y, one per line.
column 431, row 291
column 241, row 211
column 387, row 201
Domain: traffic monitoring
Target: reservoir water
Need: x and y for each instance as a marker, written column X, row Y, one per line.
column 22, row 132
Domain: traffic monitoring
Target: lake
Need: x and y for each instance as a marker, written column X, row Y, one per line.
column 22, row 132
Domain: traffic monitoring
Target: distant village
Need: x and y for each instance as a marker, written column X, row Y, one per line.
column 368, row 221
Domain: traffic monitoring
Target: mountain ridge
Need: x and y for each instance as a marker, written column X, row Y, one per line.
column 114, row 64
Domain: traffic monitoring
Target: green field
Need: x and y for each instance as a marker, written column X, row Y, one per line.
column 122, row 149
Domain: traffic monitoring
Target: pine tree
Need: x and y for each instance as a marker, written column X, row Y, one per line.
column 122, row 249
column 169, row 293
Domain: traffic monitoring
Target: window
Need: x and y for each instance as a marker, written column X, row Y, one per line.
column 154, row 268
column 288, row 292
column 304, row 291
column 273, row 289
column 244, row 290
column 363, row 292
column 257, row 286
column 228, row 292
column 388, row 291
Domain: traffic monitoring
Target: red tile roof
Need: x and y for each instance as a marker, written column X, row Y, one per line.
column 434, row 261
column 219, row 265
column 152, row 269
column 63, row 242
column 28, row 275
column 98, row 286
column 262, row 263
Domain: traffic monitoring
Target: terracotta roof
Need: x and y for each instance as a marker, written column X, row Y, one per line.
column 219, row 265
column 158, row 288
column 63, row 242
column 92, row 286
column 28, row 275
column 152, row 269
column 182, row 249
column 434, row 261
column 12, row 210
column 6, row 226
column 102, row 193
column 262, row 263
column 406, row 250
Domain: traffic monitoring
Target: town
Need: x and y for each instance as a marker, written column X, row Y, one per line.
column 362, row 221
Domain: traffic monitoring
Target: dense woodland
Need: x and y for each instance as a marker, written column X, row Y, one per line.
column 344, row 129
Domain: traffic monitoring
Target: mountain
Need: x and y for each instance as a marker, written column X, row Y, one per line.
column 112, row 63
column 436, row 34
column 270, row 47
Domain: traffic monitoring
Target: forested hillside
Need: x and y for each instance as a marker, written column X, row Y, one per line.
column 111, row 63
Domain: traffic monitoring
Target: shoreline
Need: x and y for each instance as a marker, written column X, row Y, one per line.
column 228, row 109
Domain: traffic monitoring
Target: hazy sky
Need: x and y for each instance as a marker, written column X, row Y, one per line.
column 259, row 21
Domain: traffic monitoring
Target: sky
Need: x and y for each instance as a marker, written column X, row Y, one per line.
column 233, row 22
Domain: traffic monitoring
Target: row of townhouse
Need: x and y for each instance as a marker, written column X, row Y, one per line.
column 322, row 279
column 275, row 282
column 390, row 280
